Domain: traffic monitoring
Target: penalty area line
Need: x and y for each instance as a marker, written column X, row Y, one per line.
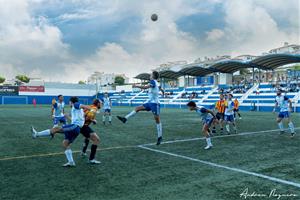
column 270, row 178
column 218, row 136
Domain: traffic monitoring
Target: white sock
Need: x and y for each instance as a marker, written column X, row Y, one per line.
column 280, row 125
column 208, row 141
column 130, row 114
column 291, row 126
column 159, row 130
column 43, row 133
column 227, row 128
column 103, row 118
column 109, row 118
column 69, row 155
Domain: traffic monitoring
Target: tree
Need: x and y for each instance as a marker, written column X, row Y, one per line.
column 297, row 67
column 2, row 79
column 119, row 80
column 244, row 71
column 23, row 78
column 81, row 82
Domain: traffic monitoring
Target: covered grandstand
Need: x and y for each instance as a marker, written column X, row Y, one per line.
column 208, row 94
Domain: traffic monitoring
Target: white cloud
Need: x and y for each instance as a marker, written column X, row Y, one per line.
column 34, row 46
column 27, row 43
column 214, row 34
column 251, row 29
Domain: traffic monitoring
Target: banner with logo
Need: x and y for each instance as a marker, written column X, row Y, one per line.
column 9, row 90
column 23, row 88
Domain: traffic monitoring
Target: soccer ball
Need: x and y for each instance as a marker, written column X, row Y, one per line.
column 154, row 17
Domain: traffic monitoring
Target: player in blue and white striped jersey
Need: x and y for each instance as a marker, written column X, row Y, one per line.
column 106, row 101
column 58, row 111
column 285, row 106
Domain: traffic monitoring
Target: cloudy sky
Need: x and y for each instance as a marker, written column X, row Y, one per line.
column 67, row 40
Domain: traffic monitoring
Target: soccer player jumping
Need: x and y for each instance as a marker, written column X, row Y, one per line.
column 285, row 105
column 152, row 104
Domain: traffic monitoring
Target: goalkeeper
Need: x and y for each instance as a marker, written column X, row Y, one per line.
column 88, row 133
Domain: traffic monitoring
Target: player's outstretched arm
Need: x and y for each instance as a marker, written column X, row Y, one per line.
column 85, row 107
column 290, row 105
column 275, row 106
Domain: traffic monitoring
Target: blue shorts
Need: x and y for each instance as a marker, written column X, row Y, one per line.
column 58, row 120
column 154, row 107
column 207, row 121
column 229, row 118
column 107, row 110
column 71, row 132
column 284, row 114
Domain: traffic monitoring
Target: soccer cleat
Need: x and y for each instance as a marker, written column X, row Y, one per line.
column 83, row 154
column 104, row 123
column 293, row 134
column 34, row 132
column 95, row 162
column 159, row 140
column 208, row 147
column 240, row 118
column 110, row 123
column 122, row 119
column 281, row 132
column 69, row 164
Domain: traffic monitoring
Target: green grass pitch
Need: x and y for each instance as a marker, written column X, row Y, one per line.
column 31, row 169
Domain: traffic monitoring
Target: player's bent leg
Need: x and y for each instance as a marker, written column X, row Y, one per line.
column 131, row 114
column 104, row 118
column 159, row 129
column 280, row 124
column 68, row 153
column 109, row 118
column 291, row 126
column 45, row 133
column 207, row 136
column 85, row 145
column 95, row 139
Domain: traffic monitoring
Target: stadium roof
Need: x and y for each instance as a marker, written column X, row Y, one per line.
column 196, row 70
column 230, row 66
column 270, row 62
column 143, row 76
column 267, row 62
column 170, row 74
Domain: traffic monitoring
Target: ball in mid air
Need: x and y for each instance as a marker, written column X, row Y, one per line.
column 154, row 17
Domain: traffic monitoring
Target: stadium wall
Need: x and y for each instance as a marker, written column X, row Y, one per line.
column 40, row 99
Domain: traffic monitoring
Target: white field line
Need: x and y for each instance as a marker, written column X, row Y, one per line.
column 270, row 178
column 219, row 136
column 132, row 146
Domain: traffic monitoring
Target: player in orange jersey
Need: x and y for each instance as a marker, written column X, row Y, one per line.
column 236, row 108
column 89, row 133
column 220, row 108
